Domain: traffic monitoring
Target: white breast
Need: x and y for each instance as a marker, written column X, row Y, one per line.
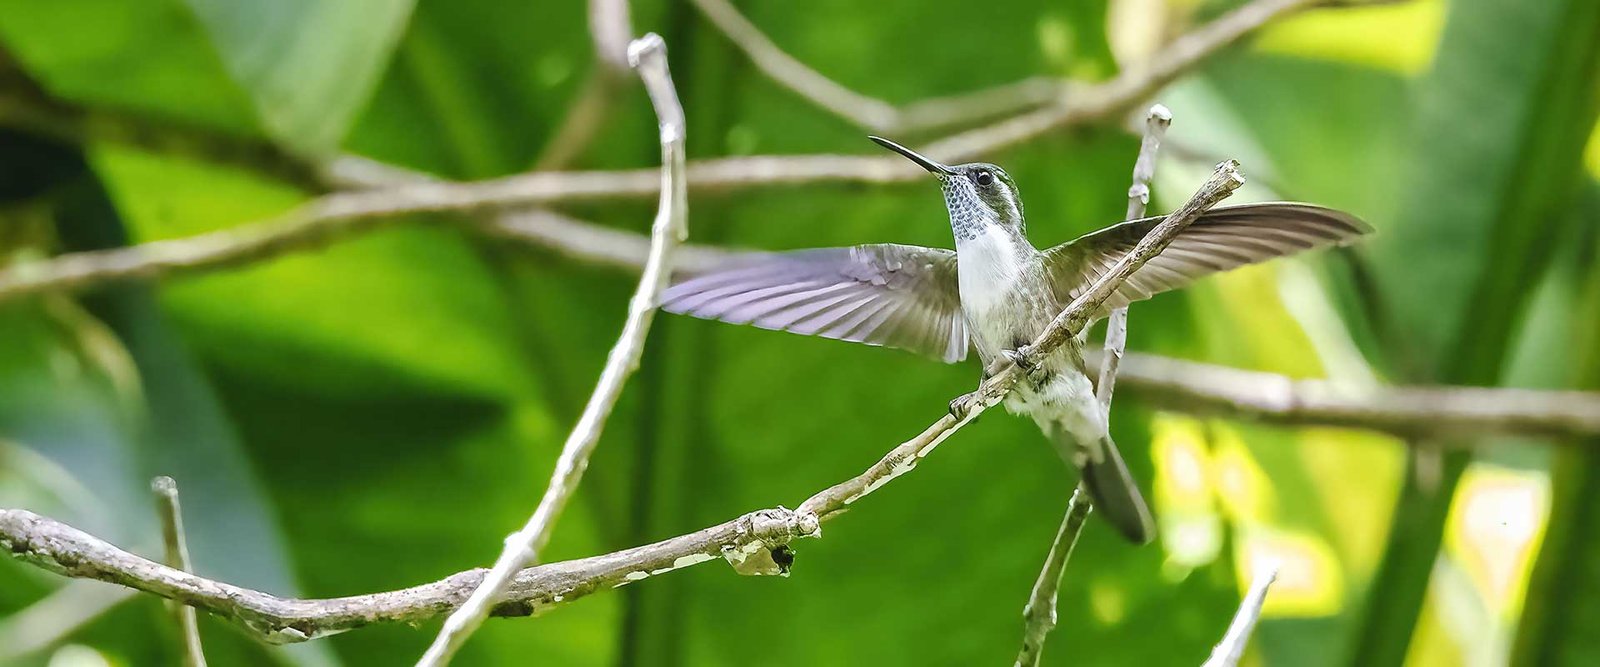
column 989, row 266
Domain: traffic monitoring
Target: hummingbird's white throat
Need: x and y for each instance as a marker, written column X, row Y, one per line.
column 991, row 255
column 989, row 263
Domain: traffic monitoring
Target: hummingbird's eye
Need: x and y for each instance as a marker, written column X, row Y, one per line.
column 984, row 178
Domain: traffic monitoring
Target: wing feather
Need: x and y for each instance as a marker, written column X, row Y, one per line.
column 881, row 294
column 1222, row 239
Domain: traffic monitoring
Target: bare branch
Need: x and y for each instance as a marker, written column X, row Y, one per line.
column 648, row 55
column 1223, row 182
column 859, row 109
column 994, row 102
column 874, row 114
column 177, row 550
column 353, row 172
column 1039, row 615
column 1144, row 168
column 1405, row 411
column 1084, row 103
column 1228, row 652
column 611, row 28
column 588, row 242
column 865, row 111
column 70, row 552
column 582, row 121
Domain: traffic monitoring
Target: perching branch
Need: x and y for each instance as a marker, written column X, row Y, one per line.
column 1039, row 615
column 346, row 213
column 67, row 551
column 1228, row 652
column 756, row 536
column 648, row 55
column 177, row 549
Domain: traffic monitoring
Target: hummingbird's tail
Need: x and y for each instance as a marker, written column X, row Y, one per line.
column 1117, row 496
column 1110, row 485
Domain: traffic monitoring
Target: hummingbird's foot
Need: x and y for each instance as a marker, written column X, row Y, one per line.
column 1019, row 358
column 963, row 405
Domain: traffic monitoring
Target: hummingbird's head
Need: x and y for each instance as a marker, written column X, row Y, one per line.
column 977, row 194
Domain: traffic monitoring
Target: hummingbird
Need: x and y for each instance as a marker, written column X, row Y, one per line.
column 994, row 294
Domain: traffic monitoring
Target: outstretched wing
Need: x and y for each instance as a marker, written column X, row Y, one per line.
column 882, row 294
column 1222, row 239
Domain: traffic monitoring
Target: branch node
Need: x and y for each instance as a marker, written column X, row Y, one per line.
column 1139, row 191
column 643, row 46
column 764, row 538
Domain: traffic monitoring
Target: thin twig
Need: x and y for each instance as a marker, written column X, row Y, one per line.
column 1039, row 615
column 1228, row 652
column 648, row 56
column 347, row 213
column 1126, row 90
column 177, row 551
column 874, row 114
column 65, row 550
column 582, row 120
column 865, row 111
column 1144, row 168
column 591, row 243
column 859, row 109
column 611, row 28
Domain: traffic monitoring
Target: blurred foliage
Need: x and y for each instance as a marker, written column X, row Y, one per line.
column 380, row 412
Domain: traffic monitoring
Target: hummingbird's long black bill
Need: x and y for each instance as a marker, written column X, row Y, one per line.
column 913, row 156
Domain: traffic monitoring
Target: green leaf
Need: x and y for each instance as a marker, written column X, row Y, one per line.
column 308, row 64
column 149, row 56
column 1499, row 131
column 1560, row 606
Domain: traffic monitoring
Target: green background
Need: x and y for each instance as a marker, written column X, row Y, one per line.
column 380, row 412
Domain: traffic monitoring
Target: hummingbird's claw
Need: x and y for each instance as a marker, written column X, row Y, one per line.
column 963, row 405
column 1019, row 358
